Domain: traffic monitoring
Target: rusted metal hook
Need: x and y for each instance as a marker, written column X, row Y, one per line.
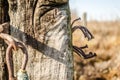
column 10, row 62
column 75, row 21
column 80, row 52
column 9, row 40
column 13, row 44
column 85, row 31
column 87, row 34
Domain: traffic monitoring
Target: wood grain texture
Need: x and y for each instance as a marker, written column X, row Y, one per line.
column 44, row 26
column 3, row 18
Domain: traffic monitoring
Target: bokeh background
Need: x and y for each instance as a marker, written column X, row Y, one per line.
column 103, row 20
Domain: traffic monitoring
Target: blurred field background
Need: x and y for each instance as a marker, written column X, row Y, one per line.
column 103, row 21
column 106, row 44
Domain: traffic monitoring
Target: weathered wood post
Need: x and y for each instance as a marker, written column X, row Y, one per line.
column 3, row 18
column 84, row 19
column 44, row 26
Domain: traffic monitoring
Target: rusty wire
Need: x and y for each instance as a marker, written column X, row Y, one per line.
column 13, row 44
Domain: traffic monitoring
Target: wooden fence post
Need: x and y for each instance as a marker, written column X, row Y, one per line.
column 44, row 26
column 3, row 18
column 84, row 19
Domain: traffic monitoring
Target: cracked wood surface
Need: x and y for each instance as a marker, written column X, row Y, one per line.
column 3, row 18
column 44, row 26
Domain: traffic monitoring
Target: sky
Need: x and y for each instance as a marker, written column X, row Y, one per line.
column 97, row 9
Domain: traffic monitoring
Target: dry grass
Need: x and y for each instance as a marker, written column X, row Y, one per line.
column 107, row 46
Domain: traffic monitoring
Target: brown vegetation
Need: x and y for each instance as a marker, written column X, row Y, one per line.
column 106, row 44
